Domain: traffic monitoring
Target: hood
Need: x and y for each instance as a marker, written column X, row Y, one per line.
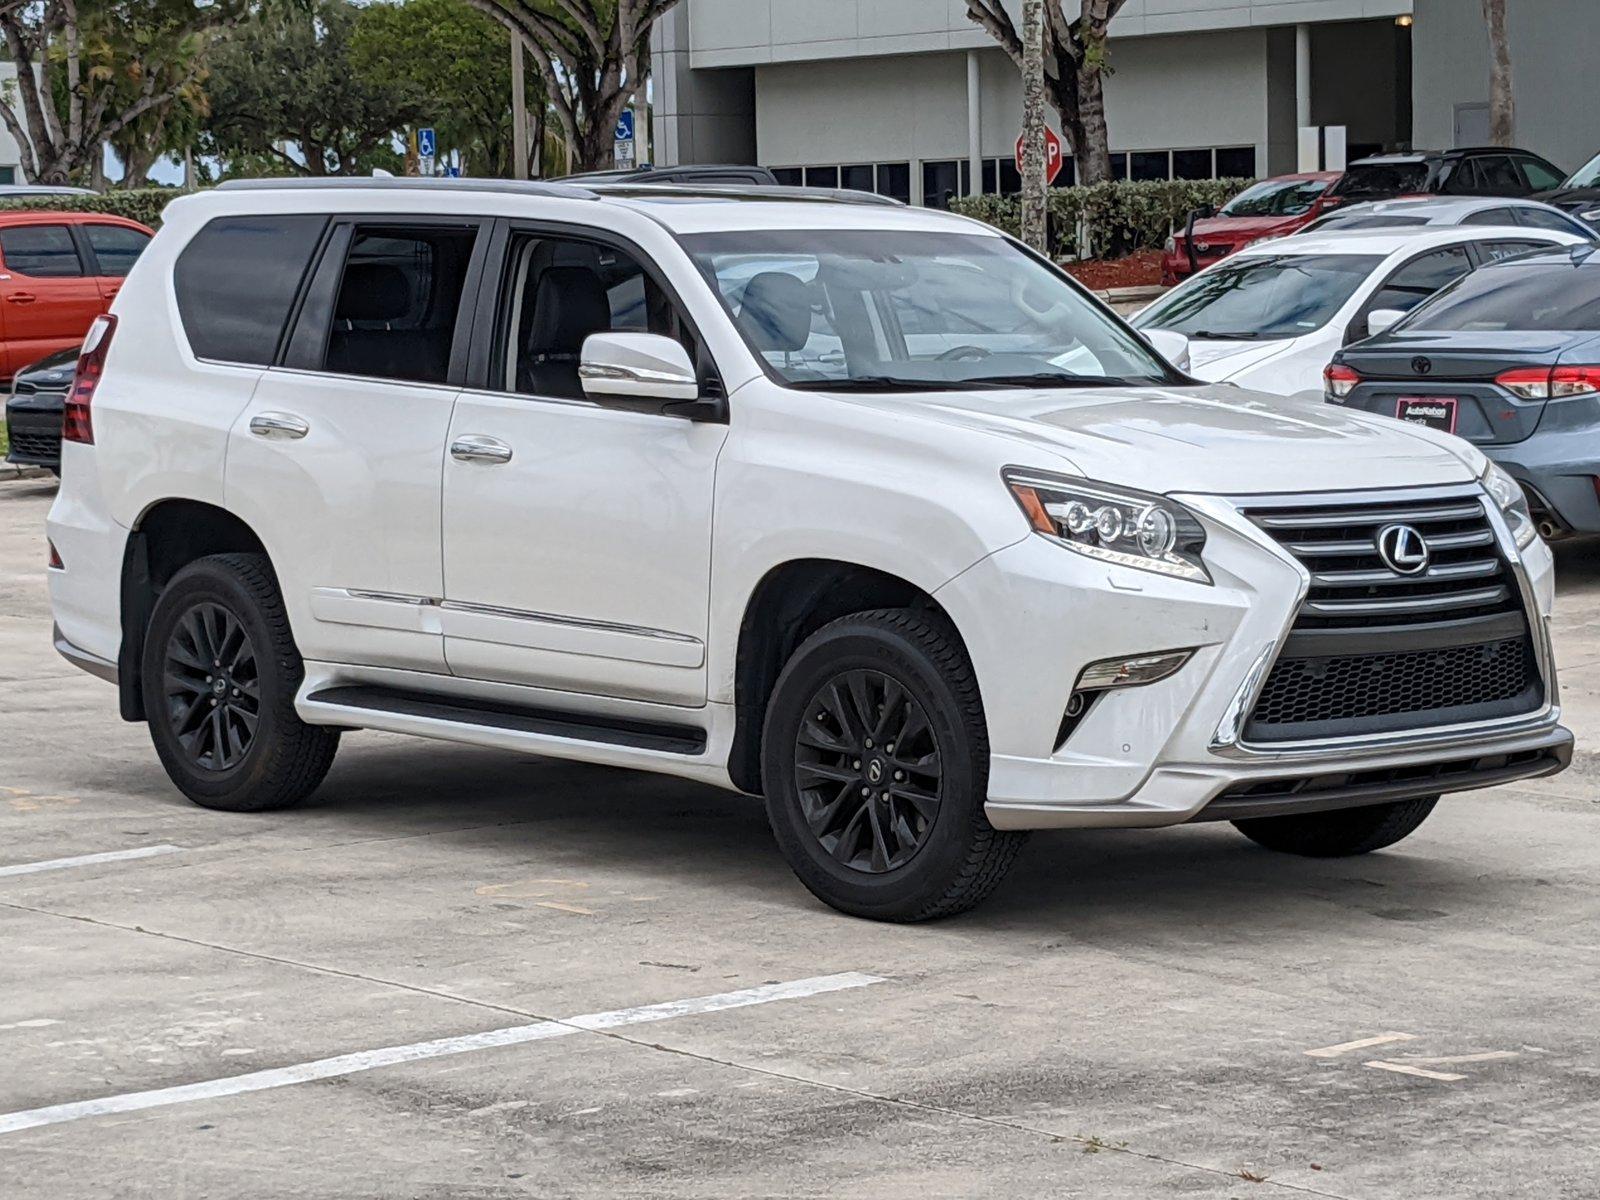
column 1242, row 229
column 1205, row 439
column 1217, row 361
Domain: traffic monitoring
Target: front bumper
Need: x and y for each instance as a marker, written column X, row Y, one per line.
column 33, row 426
column 1165, row 753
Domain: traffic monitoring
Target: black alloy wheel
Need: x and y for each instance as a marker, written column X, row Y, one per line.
column 212, row 687
column 868, row 770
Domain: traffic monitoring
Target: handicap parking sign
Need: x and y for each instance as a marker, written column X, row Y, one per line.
column 427, row 143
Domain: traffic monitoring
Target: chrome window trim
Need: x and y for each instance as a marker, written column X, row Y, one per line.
column 1228, row 739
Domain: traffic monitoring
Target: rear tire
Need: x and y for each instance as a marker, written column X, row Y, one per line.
column 875, row 828
column 220, row 673
column 1341, row 833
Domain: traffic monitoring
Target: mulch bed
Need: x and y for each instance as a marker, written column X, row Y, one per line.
column 1141, row 269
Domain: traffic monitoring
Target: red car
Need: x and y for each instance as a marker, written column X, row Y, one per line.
column 58, row 271
column 1271, row 208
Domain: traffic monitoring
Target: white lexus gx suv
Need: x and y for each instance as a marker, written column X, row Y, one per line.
column 859, row 507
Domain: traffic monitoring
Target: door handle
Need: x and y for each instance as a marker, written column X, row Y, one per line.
column 278, row 425
column 21, row 297
column 475, row 448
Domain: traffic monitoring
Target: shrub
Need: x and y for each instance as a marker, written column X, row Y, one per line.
column 138, row 204
column 1117, row 217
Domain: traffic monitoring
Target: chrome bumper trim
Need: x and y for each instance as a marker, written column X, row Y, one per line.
column 92, row 663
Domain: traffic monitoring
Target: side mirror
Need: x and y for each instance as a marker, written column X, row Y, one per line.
column 637, row 366
column 1171, row 345
column 1380, row 320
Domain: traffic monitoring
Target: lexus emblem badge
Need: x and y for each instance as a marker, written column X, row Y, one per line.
column 1403, row 550
column 1422, row 366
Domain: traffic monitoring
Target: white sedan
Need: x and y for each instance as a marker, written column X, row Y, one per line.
column 1271, row 316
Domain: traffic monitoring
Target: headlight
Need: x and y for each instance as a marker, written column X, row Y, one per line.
column 1117, row 525
column 1508, row 494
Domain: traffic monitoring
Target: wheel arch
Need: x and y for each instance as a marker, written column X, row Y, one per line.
column 168, row 535
column 791, row 602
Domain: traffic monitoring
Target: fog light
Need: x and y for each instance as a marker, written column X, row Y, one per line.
column 1130, row 672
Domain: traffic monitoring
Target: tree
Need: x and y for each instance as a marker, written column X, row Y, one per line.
column 1035, row 219
column 286, row 97
column 453, row 65
column 1502, row 100
column 1075, row 67
column 594, row 56
column 86, row 72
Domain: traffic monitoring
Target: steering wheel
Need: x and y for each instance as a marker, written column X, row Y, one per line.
column 963, row 354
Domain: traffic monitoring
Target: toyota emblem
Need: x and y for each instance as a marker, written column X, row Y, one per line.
column 1403, row 550
column 1422, row 366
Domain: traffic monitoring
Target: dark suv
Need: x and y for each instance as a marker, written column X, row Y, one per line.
column 1473, row 171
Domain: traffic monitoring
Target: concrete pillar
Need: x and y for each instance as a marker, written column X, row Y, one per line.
column 974, row 124
column 1302, row 76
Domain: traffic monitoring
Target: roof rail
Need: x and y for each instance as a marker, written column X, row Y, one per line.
column 518, row 187
column 734, row 191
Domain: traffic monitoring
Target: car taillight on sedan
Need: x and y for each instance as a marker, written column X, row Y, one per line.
column 1550, row 383
column 77, row 424
column 1339, row 380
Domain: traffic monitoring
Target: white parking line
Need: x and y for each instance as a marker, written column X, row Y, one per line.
column 84, row 860
column 366, row 1060
column 1346, row 1047
column 1402, row 1069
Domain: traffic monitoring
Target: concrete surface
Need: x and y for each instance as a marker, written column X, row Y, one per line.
column 1129, row 1017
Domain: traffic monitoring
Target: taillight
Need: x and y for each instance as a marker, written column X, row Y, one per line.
column 1574, row 381
column 1550, row 383
column 76, row 422
column 55, row 556
column 1531, row 383
column 1340, row 380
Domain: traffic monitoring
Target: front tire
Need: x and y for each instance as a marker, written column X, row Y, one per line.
column 1341, row 833
column 875, row 763
column 220, row 673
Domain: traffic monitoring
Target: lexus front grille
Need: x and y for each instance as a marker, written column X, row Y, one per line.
column 1413, row 618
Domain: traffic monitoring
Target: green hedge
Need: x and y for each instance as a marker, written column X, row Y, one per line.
column 138, row 204
column 1120, row 217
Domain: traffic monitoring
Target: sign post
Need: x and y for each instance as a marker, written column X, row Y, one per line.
column 1053, row 156
column 624, row 143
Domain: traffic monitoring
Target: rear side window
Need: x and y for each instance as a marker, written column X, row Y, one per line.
column 1551, row 294
column 237, row 280
column 1490, row 216
column 398, row 300
column 115, row 247
column 1541, row 176
column 42, row 251
column 1421, row 277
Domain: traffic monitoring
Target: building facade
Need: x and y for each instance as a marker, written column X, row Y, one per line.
column 911, row 99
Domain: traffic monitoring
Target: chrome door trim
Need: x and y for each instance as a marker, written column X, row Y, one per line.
column 522, row 614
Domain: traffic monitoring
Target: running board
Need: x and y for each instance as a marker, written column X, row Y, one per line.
column 404, row 711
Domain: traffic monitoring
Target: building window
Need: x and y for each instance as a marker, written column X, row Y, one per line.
column 940, row 181
column 894, row 181
column 1192, row 164
column 1236, row 162
column 1149, row 164
column 823, row 177
column 858, row 178
column 788, row 176
column 1119, row 166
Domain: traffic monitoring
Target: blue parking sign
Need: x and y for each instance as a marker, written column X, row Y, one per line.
column 427, row 143
column 625, row 126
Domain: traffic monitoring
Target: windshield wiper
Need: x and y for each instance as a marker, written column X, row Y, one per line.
column 1045, row 379
column 882, row 383
column 1231, row 335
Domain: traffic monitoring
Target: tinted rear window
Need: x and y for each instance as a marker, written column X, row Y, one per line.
column 236, row 281
column 1388, row 179
column 1533, row 296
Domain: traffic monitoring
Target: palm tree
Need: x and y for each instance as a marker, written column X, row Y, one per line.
column 1502, row 100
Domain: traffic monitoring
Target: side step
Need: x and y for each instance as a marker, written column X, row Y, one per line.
column 456, row 710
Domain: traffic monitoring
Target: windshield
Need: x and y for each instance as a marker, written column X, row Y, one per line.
column 1276, row 198
column 1261, row 297
column 888, row 309
column 1386, row 179
column 1550, row 295
column 1585, row 176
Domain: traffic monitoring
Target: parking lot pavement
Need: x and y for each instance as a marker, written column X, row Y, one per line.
column 444, row 976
